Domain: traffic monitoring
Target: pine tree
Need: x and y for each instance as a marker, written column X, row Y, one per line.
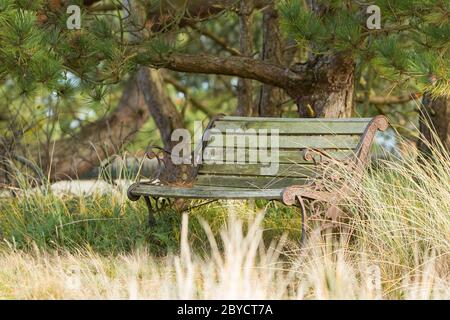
column 410, row 51
column 318, row 54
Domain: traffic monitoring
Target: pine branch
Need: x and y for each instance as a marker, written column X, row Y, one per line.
column 168, row 12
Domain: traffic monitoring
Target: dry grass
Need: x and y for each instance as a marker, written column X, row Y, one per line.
column 399, row 249
column 325, row 269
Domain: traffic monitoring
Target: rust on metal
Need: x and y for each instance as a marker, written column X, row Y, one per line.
column 377, row 123
column 332, row 186
column 130, row 194
column 168, row 173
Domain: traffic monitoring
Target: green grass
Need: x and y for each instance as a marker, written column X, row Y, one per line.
column 109, row 224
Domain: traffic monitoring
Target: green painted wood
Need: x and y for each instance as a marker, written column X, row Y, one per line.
column 264, row 119
column 297, row 127
column 254, row 182
column 284, row 156
column 284, row 170
column 320, row 142
column 201, row 192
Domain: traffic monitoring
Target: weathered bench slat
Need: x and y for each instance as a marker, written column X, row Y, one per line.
column 200, row 192
column 284, row 170
column 310, row 127
column 313, row 141
column 285, row 156
column 264, row 119
column 249, row 182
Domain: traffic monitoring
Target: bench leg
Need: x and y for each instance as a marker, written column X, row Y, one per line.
column 332, row 213
column 151, row 212
column 301, row 205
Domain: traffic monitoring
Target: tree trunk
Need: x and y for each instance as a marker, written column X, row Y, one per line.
column 245, row 87
column 166, row 116
column 332, row 96
column 434, row 123
column 270, row 97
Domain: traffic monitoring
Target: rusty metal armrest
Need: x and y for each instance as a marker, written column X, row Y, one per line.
column 315, row 189
column 160, row 156
column 318, row 190
column 130, row 194
column 169, row 174
column 151, row 152
column 380, row 123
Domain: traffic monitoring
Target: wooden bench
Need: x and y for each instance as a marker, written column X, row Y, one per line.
column 307, row 149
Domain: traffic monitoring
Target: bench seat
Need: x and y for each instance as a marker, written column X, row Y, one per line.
column 204, row 192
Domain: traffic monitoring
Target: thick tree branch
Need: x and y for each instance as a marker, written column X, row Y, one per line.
column 244, row 67
column 379, row 100
column 324, row 75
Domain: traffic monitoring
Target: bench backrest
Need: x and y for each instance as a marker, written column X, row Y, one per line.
column 338, row 138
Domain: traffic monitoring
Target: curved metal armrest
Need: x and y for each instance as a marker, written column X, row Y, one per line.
column 130, row 194
column 169, row 171
column 160, row 157
column 152, row 154
column 380, row 123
